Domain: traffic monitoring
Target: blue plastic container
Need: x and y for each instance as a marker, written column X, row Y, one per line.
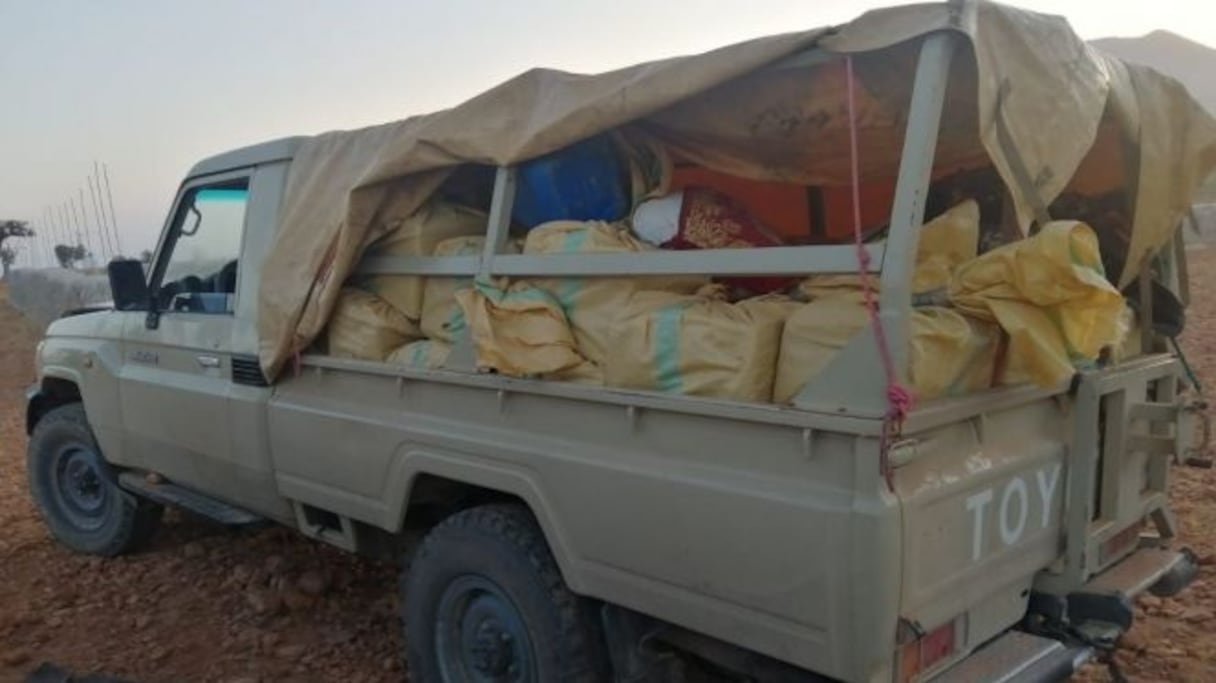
column 583, row 182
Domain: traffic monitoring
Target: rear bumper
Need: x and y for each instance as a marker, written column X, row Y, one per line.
column 1018, row 657
column 1104, row 602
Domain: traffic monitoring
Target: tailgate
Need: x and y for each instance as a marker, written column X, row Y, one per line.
column 1128, row 425
column 1036, row 496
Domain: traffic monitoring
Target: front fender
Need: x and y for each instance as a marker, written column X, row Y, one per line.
column 81, row 360
column 35, row 406
column 59, row 386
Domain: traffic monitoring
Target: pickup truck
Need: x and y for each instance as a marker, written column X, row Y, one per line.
column 556, row 531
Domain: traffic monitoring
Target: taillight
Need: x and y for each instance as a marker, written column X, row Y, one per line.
column 927, row 651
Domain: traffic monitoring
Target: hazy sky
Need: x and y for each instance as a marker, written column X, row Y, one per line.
column 151, row 86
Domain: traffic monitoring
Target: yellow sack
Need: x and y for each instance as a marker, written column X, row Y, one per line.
column 697, row 345
column 592, row 304
column 812, row 337
column 367, row 327
column 946, row 242
column 950, row 354
column 519, row 331
column 1050, row 295
column 583, row 373
column 426, row 354
column 418, row 235
column 837, row 286
column 442, row 319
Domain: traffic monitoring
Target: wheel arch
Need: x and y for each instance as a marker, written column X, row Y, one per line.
column 437, row 487
column 52, row 391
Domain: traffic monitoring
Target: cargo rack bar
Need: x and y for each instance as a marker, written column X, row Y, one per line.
column 761, row 261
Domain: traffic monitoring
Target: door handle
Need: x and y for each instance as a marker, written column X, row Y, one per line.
column 207, row 361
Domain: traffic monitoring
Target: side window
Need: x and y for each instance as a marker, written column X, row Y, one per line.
column 197, row 268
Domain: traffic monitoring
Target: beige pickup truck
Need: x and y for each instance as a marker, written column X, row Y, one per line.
column 564, row 531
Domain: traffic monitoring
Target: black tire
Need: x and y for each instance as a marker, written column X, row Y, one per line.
column 76, row 492
column 484, row 600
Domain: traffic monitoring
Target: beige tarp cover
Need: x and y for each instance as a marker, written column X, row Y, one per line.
column 1027, row 96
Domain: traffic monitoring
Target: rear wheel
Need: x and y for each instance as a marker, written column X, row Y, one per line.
column 76, row 492
column 484, row 601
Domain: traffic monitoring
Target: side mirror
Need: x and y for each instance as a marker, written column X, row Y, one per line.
column 128, row 285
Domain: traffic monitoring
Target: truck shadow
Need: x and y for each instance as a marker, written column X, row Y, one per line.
column 49, row 673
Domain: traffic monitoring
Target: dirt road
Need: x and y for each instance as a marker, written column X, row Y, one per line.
column 205, row 604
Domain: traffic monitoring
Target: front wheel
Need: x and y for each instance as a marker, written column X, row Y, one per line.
column 484, row 601
column 75, row 490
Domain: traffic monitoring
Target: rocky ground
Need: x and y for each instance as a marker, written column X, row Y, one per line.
column 206, row 604
column 202, row 604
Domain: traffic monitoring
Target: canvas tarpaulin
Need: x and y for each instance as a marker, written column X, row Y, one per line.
column 345, row 189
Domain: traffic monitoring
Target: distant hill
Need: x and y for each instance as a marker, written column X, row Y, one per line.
column 1194, row 64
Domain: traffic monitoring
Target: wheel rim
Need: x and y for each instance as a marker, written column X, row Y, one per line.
column 480, row 635
column 80, row 486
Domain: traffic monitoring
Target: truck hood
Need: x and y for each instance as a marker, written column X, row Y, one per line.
column 94, row 320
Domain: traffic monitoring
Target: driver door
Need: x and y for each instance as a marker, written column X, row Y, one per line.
column 175, row 381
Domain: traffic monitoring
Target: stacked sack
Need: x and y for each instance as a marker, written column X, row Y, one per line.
column 679, row 334
column 1050, row 295
column 698, row 345
column 365, row 327
column 380, row 316
column 436, row 222
column 591, row 304
column 949, row 353
column 1033, row 311
column 520, row 330
column 442, row 318
column 424, row 354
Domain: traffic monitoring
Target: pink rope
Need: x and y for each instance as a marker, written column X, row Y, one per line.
column 899, row 398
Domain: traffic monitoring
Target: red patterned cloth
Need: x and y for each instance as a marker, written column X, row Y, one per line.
column 712, row 220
